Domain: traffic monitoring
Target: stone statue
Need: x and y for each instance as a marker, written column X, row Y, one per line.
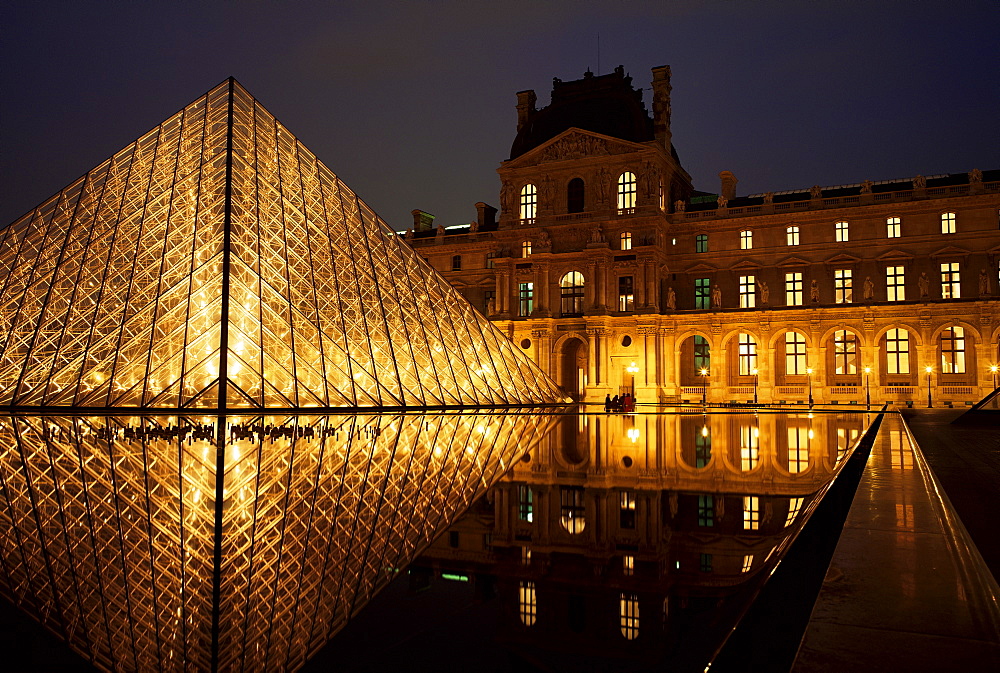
column 506, row 197
column 768, row 198
column 920, row 182
column 722, row 201
column 924, row 284
column 814, row 291
column 816, row 192
column 765, row 292
column 716, row 297
column 975, row 176
column 547, row 191
column 596, row 235
column 984, row 283
column 671, row 299
column 869, row 289
column 679, row 206
column 603, row 184
column 409, row 234
column 649, row 179
column 866, row 187
column 491, row 306
column 440, row 230
column 473, row 226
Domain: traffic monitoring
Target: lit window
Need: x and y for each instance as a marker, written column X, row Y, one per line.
column 525, row 503
column 525, row 248
column 953, row 350
column 748, row 292
column 747, row 354
column 746, row 240
column 626, row 510
column 526, row 299
column 702, row 356
column 895, row 285
column 747, row 562
column 529, row 203
column 793, row 235
column 662, row 196
column 626, row 193
column 701, row 243
column 842, row 286
column 892, row 227
column 749, row 447
column 897, row 351
column 793, row 289
column 628, row 565
column 571, row 512
column 526, row 603
column 841, row 229
column 575, row 202
column 626, row 293
column 751, row 512
column 706, row 511
column 794, row 505
column 628, row 610
column 950, row 283
column 795, row 353
column 490, row 259
column 705, row 563
column 798, row 449
column 702, row 293
column 626, row 240
column 571, row 289
column 845, row 352
column 947, row 223
column 525, row 556
column 456, row 263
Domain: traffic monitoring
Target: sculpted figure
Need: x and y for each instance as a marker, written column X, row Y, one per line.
column 769, row 198
column 975, row 176
column 816, row 192
column 679, row 206
column 716, row 297
column 603, row 181
column 920, row 182
column 671, row 299
column 491, row 307
column 722, row 201
column 506, row 195
column 866, row 187
column 869, row 289
column 984, row 283
column 814, row 291
column 765, row 292
column 924, row 284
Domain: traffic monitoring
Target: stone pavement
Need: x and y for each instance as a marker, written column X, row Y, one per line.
column 906, row 589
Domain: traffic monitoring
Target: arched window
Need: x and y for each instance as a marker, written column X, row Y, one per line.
column 525, row 248
column 575, row 196
column 571, row 290
column 897, row 351
column 529, row 203
column 845, row 352
column 799, row 438
column 747, row 354
column 628, row 611
column 953, row 350
column 571, row 512
column 795, row 354
column 527, row 606
column 749, row 447
column 626, row 240
column 702, row 355
column 626, row 192
column 456, row 263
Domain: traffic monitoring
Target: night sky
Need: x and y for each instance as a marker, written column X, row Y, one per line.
column 412, row 104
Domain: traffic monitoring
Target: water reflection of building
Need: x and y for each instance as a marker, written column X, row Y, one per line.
column 614, row 526
column 613, row 273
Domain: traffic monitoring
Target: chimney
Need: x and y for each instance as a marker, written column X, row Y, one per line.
column 728, row 185
column 486, row 215
column 422, row 221
column 661, row 105
column 525, row 108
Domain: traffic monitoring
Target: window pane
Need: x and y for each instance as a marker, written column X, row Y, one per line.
column 793, row 289
column 626, row 192
column 793, row 235
column 842, row 286
column 626, row 294
column 746, row 240
column 748, row 292
column 894, row 283
column 702, row 293
column 529, row 202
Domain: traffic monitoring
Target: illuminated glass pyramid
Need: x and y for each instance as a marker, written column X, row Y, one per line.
column 216, row 263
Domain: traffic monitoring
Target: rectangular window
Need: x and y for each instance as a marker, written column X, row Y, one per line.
column 490, row 260
column 793, row 289
column 702, row 354
column 701, row 243
column 705, row 564
column 892, row 227
column 526, row 299
column 947, row 223
column 525, row 248
column 953, row 350
column 798, row 449
column 895, row 287
column 626, row 510
column 626, row 293
column 626, row 240
column 845, row 352
column 702, row 293
column 950, row 285
column 525, row 503
column 794, row 505
column 842, row 286
column 706, row 511
column 751, row 512
column 528, row 204
column 747, row 354
column 748, row 292
column 749, row 447
column 841, row 229
column 793, row 235
column 897, row 351
column 702, row 447
column 746, row 240
column 795, row 353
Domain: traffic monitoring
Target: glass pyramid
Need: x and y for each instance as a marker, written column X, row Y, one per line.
column 216, row 263
column 201, row 543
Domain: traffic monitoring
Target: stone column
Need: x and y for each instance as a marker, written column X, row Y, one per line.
column 667, row 361
column 591, row 394
column 649, row 391
column 604, row 363
column 543, row 348
column 543, row 308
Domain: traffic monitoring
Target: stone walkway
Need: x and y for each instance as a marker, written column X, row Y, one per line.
column 906, row 590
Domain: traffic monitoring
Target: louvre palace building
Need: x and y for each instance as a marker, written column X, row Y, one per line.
column 609, row 269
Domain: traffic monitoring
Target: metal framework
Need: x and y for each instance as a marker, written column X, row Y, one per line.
column 215, row 263
column 230, row 544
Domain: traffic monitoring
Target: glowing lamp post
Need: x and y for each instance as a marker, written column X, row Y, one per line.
column 868, row 392
column 809, row 373
column 754, row 372
column 929, row 371
column 993, row 370
column 704, row 386
column 633, row 370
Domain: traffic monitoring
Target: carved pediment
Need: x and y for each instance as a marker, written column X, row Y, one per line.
column 843, row 259
column 950, row 251
column 794, row 261
column 745, row 264
column 894, row 255
column 575, row 143
column 702, row 268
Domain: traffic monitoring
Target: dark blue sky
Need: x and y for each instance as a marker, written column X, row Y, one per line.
column 412, row 103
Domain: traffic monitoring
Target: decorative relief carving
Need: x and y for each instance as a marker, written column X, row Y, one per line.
column 540, row 333
column 925, row 319
column 868, row 322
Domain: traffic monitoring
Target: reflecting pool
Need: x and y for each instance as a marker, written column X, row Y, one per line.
column 555, row 540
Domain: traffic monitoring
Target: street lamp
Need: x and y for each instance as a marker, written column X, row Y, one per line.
column 929, row 370
column 993, row 370
column 704, row 386
column 809, row 373
column 754, row 372
column 868, row 391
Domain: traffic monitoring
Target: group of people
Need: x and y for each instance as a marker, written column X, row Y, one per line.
column 624, row 403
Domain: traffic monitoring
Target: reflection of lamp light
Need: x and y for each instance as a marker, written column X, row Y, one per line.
column 633, row 434
column 929, row 371
column 704, row 431
column 704, row 386
column 868, row 392
column 754, row 372
column 632, row 368
column 809, row 373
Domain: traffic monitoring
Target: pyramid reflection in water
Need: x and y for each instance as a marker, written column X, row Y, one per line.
column 216, row 263
column 121, row 536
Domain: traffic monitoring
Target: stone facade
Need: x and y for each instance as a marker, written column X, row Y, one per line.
column 869, row 276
